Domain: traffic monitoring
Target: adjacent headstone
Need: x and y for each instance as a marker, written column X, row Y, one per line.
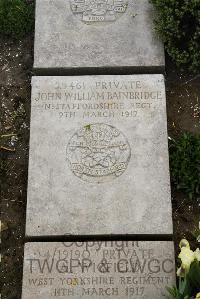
column 98, row 156
column 100, row 36
column 101, row 269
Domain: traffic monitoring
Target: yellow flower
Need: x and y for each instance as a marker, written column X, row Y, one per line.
column 197, row 254
column 184, row 243
column 198, row 296
column 187, row 256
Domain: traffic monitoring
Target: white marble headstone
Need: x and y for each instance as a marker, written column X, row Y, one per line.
column 86, row 34
column 98, row 269
column 98, row 156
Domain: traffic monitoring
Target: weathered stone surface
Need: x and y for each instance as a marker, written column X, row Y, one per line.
column 98, row 156
column 100, row 269
column 73, row 35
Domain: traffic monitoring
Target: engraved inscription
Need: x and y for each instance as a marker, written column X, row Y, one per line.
column 98, row 153
column 99, row 269
column 98, row 100
column 98, row 11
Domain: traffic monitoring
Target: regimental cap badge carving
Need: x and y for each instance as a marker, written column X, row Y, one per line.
column 98, row 153
column 94, row 11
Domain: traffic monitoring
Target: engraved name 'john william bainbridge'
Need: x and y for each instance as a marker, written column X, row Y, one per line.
column 98, row 11
column 98, row 153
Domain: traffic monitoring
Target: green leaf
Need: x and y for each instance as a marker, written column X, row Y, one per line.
column 185, row 164
column 178, row 23
column 193, row 276
column 16, row 17
column 196, row 234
